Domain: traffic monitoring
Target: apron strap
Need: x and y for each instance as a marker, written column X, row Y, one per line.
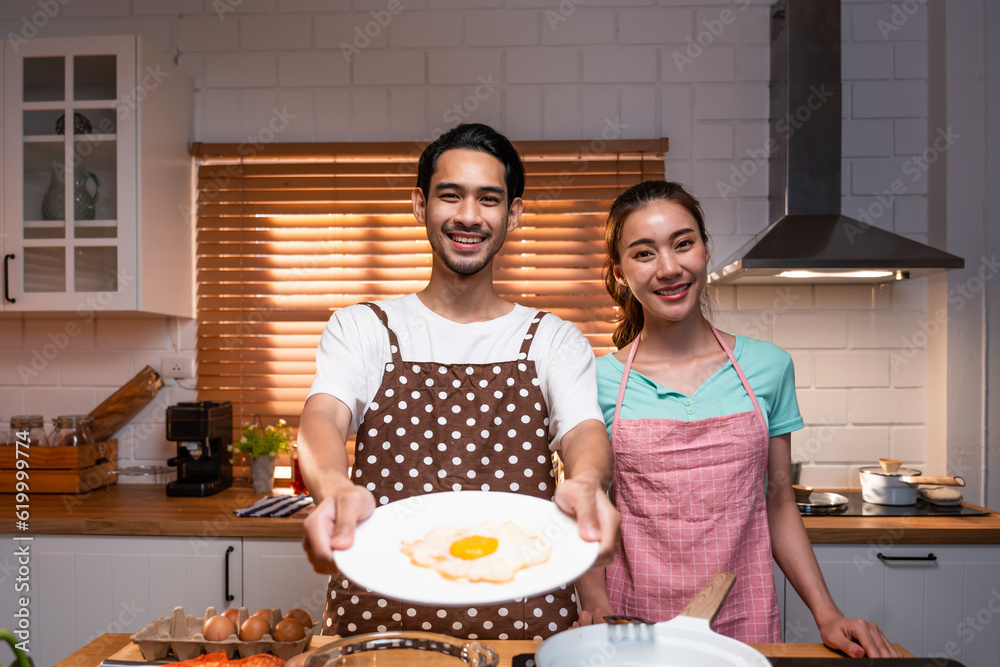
column 530, row 335
column 397, row 358
column 624, row 381
column 739, row 371
column 729, row 353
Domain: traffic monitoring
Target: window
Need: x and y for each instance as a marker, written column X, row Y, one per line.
column 295, row 231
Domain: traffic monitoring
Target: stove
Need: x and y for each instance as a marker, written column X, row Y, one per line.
column 858, row 507
column 528, row 660
column 863, row 662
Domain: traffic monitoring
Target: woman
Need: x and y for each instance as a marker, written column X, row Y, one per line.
column 700, row 423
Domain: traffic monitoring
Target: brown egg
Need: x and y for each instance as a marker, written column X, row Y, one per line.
column 288, row 630
column 218, row 628
column 254, row 628
column 264, row 613
column 231, row 614
column 300, row 615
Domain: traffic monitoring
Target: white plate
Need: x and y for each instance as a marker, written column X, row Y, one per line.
column 377, row 562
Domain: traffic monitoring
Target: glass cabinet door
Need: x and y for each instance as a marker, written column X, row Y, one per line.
column 67, row 222
column 69, row 153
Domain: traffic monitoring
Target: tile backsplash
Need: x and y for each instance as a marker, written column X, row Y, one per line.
column 694, row 72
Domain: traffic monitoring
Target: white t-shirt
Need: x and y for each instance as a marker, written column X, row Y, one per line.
column 354, row 350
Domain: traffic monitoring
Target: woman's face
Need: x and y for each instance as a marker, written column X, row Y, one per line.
column 663, row 261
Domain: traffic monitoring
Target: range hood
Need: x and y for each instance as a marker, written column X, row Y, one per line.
column 809, row 240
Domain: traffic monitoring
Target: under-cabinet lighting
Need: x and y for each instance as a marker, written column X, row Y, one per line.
column 839, row 274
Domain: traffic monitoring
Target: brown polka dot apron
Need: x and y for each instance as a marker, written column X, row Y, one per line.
column 450, row 427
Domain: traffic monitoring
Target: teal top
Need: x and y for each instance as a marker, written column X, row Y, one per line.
column 768, row 369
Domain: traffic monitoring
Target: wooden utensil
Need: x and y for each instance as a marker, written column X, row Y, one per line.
column 939, row 481
column 802, row 492
column 707, row 603
column 890, row 465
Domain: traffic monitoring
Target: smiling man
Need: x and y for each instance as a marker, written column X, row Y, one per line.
column 453, row 388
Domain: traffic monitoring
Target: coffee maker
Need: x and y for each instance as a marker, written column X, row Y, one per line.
column 203, row 432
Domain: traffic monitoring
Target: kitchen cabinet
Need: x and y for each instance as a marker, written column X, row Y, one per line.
column 97, row 192
column 277, row 573
column 948, row 606
column 83, row 586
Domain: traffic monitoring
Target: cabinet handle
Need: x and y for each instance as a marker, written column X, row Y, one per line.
column 881, row 556
column 229, row 596
column 6, row 278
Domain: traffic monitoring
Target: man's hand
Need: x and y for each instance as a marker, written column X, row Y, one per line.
column 597, row 517
column 331, row 525
column 857, row 638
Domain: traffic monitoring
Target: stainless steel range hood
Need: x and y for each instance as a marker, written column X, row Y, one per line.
column 809, row 240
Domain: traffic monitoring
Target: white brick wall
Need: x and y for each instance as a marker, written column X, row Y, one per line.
column 351, row 71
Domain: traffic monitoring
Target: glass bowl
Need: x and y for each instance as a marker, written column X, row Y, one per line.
column 344, row 652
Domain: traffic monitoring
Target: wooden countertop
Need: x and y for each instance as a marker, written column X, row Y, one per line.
column 141, row 509
column 119, row 646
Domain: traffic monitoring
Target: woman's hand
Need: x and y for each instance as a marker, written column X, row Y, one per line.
column 593, row 616
column 592, row 592
column 857, row 638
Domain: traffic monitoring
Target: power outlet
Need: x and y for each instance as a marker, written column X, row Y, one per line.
column 179, row 367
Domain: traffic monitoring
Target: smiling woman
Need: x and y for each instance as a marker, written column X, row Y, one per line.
column 289, row 233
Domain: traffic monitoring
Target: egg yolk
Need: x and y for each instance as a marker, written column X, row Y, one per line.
column 474, row 546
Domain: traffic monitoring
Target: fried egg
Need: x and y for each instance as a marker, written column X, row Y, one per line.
column 492, row 552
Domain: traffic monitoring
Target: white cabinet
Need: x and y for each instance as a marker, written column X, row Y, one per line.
column 97, row 178
column 935, row 600
column 277, row 573
column 83, row 586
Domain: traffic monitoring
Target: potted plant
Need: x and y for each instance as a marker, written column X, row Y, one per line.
column 263, row 444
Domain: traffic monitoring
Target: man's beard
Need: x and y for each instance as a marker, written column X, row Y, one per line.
column 469, row 266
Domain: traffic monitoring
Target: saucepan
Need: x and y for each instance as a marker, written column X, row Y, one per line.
column 686, row 640
column 898, row 487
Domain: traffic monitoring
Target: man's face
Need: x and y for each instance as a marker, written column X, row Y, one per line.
column 466, row 212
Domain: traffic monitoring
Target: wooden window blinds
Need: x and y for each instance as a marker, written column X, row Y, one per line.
column 289, row 233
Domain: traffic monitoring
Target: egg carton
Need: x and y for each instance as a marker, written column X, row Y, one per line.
column 181, row 635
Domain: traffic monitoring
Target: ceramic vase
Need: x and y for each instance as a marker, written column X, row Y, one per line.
column 262, row 473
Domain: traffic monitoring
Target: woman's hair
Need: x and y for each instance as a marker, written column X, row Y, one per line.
column 630, row 319
column 476, row 137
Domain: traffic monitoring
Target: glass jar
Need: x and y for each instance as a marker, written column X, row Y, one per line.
column 72, row 430
column 33, row 426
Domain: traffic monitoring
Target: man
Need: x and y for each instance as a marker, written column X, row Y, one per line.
column 453, row 388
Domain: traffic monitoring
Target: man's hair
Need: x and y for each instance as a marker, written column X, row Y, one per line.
column 476, row 137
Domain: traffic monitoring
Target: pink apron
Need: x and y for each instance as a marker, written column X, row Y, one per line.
column 691, row 497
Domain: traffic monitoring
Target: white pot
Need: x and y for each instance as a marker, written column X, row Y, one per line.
column 684, row 641
column 897, row 488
